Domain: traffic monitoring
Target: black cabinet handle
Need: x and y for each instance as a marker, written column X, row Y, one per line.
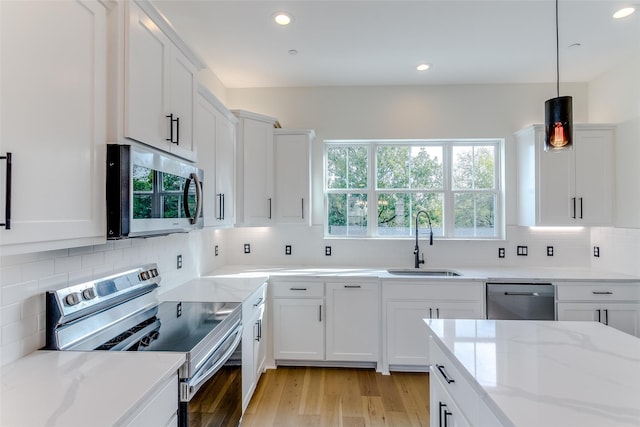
column 574, row 208
column 269, row 207
column 581, row 208
column 258, row 302
column 446, row 377
column 599, row 318
column 219, row 215
column 447, row 414
column 7, row 194
column 441, row 406
column 606, row 316
column 223, row 207
column 303, row 208
column 320, row 313
column 171, row 122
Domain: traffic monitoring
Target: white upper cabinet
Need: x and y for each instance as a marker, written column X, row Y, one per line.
column 254, row 169
column 160, row 84
column 53, row 121
column 293, row 176
column 214, row 132
column 567, row 187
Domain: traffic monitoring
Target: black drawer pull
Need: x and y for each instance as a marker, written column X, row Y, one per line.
column 447, row 378
column 352, row 286
column 602, row 293
column 297, row 289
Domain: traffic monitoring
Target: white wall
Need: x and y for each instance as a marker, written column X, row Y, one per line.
column 408, row 112
column 614, row 97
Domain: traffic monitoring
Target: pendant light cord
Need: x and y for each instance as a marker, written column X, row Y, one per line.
column 557, row 54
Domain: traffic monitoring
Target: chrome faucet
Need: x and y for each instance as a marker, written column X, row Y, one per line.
column 416, row 250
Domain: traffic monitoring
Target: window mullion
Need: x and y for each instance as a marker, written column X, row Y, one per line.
column 448, row 195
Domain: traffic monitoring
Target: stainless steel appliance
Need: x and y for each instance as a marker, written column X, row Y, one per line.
column 521, row 301
column 151, row 193
column 122, row 313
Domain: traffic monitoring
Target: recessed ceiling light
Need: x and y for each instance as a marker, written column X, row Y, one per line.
column 624, row 12
column 283, row 18
column 423, row 67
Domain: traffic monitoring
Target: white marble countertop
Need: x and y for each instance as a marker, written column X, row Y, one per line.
column 216, row 288
column 536, row 373
column 529, row 274
column 68, row 388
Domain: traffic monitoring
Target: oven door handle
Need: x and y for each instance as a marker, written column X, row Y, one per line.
column 211, row 366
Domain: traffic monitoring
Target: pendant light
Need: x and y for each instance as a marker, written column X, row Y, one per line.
column 558, row 120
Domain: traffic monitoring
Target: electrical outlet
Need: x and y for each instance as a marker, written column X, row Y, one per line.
column 327, row 250
column 287, row 250
column 501, row 253
column 247, row 248
column 596, row 251
column 549, row 250
column 523, row 250
column 216, row 251
column 179, row 262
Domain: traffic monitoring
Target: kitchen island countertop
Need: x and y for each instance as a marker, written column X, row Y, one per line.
column 70, row 388
column 536, row 373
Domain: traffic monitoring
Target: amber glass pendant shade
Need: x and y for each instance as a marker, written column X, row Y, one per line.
column 558, row 123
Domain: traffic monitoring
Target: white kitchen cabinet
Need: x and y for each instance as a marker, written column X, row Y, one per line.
column 160, row 83
column 298, row 320
column 614, row 304
column 566, row 187
column 405, row 304
column 160, row 408
column 254, row 169
column 621, row 316
column 53, row 123
column 215, row 137
column 353, row 321
column 292, row 150
column 443, row 408
column 253, row 342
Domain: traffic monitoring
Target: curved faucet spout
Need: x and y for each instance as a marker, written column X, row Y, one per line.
column 416, row 250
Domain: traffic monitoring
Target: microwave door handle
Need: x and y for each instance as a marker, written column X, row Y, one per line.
column 185, row 200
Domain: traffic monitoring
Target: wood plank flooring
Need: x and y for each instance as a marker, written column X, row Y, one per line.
column 338, row 397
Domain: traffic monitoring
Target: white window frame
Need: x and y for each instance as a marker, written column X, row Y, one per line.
column 448, row 193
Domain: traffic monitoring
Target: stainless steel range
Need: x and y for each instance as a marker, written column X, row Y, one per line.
column 122, row 313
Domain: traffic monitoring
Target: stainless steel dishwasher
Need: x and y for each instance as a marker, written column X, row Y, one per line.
column 521, row 301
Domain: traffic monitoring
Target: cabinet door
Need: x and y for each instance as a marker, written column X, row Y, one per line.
column 406, row 333
column 182, row 103
column 622, row 316
column 556, row 184
column 298, row 329
column 205, row 137
column 225, row 171
column 148, row 51
column 257, row 139
column 292, row 176
column 456, row 310
column 443, row 409
column 594, row 176
column 54, row 122
column 353, row 332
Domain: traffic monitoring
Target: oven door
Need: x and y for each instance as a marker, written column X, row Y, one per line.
column 221, row 355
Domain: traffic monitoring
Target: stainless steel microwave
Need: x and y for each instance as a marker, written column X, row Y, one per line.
column 151, row 193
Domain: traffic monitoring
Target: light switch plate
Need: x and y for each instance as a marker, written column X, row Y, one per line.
column 523, row 250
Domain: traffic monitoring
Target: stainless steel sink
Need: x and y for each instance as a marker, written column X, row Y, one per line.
column 418, row 272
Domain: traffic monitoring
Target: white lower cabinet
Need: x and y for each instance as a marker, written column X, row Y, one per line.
column 405, row 305
column 453, row 401
column 342, row 326
column 353, row 321
column 613, row 304
column 160, row 409
column 253, row 342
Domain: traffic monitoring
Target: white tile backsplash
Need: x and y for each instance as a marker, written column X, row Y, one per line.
column 619, row 250
column 25, row 278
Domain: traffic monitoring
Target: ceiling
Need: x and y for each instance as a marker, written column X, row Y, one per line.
column 377, row 43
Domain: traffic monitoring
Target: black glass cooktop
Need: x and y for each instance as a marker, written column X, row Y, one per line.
column 185, row 324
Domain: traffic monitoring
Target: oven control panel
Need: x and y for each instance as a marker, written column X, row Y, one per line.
column 96, row 293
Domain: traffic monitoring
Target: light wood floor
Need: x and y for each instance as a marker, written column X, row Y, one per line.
column 337, row 397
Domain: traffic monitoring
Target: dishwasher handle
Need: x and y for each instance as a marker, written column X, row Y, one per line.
column 526, row 294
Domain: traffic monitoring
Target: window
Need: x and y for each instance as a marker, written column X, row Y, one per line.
column 376, row 188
